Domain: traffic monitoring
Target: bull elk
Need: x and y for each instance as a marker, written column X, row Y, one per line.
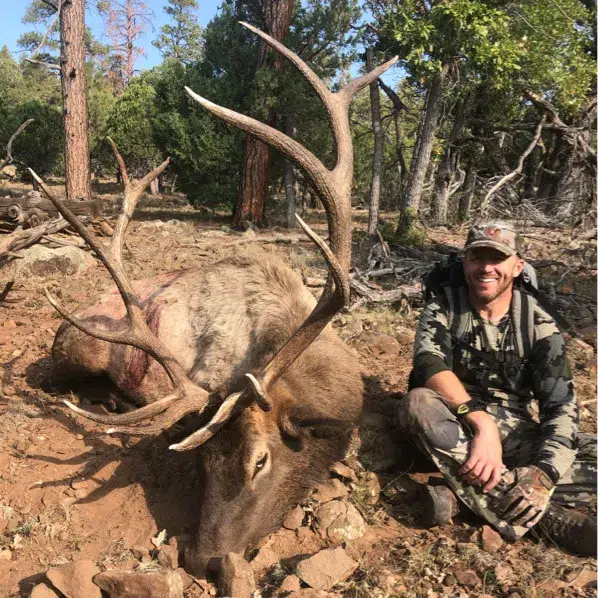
column 242, row 344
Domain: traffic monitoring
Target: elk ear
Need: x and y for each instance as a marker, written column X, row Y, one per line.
column 300, row 423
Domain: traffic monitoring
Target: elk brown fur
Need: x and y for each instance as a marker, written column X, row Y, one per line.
column 221, row 322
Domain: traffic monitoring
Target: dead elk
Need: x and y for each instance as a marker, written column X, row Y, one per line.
column 241, row 343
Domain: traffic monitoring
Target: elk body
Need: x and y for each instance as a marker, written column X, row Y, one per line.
column 242, row 344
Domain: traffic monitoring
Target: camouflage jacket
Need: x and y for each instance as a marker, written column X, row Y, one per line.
column 513, row 381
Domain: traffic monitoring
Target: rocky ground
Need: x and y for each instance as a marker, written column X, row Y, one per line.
column 84, row 515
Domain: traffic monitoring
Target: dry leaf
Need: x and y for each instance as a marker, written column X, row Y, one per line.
column 159, row 539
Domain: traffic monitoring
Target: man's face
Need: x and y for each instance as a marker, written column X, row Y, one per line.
column 489, row 273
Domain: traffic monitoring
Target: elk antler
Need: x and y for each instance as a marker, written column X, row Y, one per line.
column 334, row 189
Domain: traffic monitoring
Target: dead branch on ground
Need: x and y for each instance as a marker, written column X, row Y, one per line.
column 20, row 239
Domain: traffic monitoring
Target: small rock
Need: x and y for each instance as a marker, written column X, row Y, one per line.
column 187, row 579
column 326, row 568
column 343, row 471
column 405, row 336
column 43, row 591
column 265, row 558
column 583, row 578
column 12, row 525
column 383, row 346
column 248, row 225
column 139, row 551
column 294, row 518
column 249, row 233
column 330, row 490
column 153, row 584
column 449, row 580
column 168, row 557
column 503, row 573
column 339, row 521
column 74, row 580
column 467, row 578
column 235, row 577
column 43, row 261
column 353, row 329
column 492, row 541
column 6, row 554
column 515, row 595
column 290, row 583
column 371, row 485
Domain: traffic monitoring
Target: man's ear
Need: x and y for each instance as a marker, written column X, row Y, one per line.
column 518, row 269
column 299, row 423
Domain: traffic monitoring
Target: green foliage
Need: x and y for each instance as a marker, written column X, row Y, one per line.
column 130, row 124
column 182, row 38
column 40, row 146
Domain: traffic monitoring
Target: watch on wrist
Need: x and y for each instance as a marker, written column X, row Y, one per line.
column 470, row 407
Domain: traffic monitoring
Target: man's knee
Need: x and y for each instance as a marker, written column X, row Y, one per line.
column 423, row 413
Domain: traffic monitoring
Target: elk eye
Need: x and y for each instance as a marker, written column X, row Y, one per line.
column 260, row 464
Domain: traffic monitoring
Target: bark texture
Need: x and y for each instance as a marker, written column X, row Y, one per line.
column 290, row 179
column 468, row 192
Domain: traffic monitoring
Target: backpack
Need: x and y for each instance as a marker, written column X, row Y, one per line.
column 448, row 278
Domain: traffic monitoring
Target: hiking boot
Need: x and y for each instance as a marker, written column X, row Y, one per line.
column 569, row 529
column 440, row 505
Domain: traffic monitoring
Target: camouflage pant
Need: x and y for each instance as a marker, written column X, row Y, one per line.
column 427, row 420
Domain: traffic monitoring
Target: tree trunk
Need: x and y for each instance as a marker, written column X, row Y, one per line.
column 378, row 148
column 468, row 192
column 402, row 167
column 253, row 193
column 155, row 186
column 74, row 100
column 423, row 147
column 289, row 177
column 447, row 166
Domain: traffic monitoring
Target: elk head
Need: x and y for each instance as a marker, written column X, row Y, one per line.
column 271, row 446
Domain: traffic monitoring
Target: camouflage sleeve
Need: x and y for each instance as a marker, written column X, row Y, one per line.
column 553, row 388
column 433, row 347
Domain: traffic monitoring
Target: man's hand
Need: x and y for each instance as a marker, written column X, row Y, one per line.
column 525, row 503
column 484, row 466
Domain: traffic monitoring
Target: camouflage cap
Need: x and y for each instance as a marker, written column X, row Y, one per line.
column 496, row 235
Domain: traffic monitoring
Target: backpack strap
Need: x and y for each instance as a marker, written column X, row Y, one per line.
column 523, row 322
column 458, row 310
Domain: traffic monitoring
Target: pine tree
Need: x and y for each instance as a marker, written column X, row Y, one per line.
column 182, row 38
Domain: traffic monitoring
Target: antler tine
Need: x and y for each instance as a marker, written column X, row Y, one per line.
column 233, row 404
column 358, row 84
column 283, row 143
column 125, row 419
column 319, row 87
column 133, row 190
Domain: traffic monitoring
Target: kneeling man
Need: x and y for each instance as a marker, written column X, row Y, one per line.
column 479, row 362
